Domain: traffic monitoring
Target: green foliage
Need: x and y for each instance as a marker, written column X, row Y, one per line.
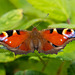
column 6, row 56
column 5, row 6
column 2, row 69
column 71, row 69
column 29, row 72
column 56, row 8
column 72, row 4
column 10, row 19
column 63, row 25
column 24, row 14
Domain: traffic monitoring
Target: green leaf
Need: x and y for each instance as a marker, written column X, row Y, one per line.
column 62, row 26
column 68, row 53
column 2, row 70
column 10, row 19
column 29, row 72
column 53, row 66
column 6, row 56
column 71, row 69
column 5, row 6
column 22, row 64
column 57, row 67
column 35, row 22
column 28, row 9
column 57, row 9
column 72, row 4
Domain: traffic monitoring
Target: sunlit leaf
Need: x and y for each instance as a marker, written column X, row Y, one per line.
column 72, row 4
column 57, row 9
column 6, row 56
column 36, row 22
column 5, row 6
column 68, row 53
column 28, row 8
column 62, row 26
column 10, row 19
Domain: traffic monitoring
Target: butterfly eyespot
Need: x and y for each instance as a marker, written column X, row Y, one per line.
column 68, row 32
column 5, row 34
column 1, row 35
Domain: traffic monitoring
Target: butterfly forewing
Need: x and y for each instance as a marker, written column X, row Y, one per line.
column 15, row 40
column 58, row 37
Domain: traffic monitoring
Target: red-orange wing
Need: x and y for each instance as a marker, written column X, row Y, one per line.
column 56, row 39
column 14, row 40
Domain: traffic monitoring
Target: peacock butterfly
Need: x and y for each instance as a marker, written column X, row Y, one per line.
column 46, row 41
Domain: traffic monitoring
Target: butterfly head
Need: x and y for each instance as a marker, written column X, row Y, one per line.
column 34, row 29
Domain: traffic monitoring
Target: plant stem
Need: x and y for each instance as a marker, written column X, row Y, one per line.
column 43, row 62
column 60, row 68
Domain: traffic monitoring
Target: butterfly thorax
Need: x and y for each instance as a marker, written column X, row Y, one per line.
column 35, row 38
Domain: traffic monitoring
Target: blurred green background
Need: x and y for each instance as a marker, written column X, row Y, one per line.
column 22, row 14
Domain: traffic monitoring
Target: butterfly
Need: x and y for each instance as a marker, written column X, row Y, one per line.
column 47, row 41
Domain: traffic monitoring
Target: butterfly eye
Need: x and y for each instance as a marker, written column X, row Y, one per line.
column 68, row 32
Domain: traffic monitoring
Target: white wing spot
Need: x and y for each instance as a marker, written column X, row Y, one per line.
column 60, row 39
column 9, row 41
column 65, row 37
column 14, row 31
column 6, row 40
column 55, row 30
column 5, row 34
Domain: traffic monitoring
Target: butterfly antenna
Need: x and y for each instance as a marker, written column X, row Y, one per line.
column 43, row 19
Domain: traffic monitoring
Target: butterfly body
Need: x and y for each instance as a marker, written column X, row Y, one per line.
column 46, row 41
